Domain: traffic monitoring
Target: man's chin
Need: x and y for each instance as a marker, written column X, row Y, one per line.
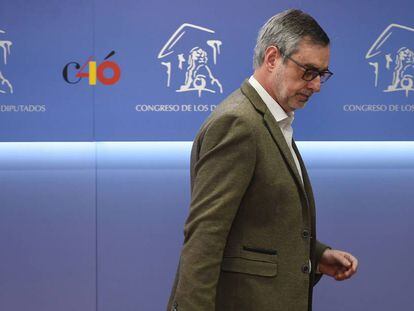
column 299, row 104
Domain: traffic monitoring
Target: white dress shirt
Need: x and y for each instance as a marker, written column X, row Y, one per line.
column 283, row 119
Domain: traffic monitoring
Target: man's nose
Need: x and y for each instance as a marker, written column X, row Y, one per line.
column 315, row 84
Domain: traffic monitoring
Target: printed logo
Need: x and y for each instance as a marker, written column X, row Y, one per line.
column 107, row 72
column 186, row 56
column 392, row 56
column 5, row 85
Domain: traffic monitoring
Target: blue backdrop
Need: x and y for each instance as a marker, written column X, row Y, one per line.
column 143, row 50
column 96, row 119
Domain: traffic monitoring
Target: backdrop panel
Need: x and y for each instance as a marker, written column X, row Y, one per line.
column 133, row 70
column 37, row 41
column 47, row 227
column 363, row 202
column 156, row 98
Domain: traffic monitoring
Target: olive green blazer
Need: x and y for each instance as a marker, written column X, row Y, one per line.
column 251, row 227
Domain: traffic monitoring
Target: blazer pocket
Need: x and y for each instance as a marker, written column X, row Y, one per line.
column 252, row 267
column 260, row 250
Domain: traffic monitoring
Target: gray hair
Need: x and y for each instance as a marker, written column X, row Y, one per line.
column 285, row 31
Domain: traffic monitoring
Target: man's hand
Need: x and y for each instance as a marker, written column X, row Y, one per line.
column 338, row 264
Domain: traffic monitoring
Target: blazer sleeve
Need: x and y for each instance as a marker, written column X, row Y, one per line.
column 319, row 249
column 223, row 169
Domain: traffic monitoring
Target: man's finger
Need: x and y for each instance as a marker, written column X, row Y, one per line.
column 343, row 260
column 351, row 269
column 352, row 259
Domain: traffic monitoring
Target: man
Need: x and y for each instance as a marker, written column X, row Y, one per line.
column 250, row 239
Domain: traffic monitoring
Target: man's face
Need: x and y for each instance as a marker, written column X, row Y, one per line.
column 287, row 86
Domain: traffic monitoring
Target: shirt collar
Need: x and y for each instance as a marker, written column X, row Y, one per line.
column 278, row 113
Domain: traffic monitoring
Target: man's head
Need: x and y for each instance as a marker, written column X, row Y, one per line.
column 291, row 49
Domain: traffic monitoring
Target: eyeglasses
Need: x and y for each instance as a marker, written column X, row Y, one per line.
column 311, row 74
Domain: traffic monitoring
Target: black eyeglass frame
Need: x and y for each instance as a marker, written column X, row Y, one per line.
column 324, row 74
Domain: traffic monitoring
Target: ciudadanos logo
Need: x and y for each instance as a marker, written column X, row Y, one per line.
column 106, row 72
column 6, row 86
column 392, row 59
column 190, row 56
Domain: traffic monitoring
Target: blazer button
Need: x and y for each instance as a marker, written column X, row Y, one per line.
column 305, row 269
column 305, row 234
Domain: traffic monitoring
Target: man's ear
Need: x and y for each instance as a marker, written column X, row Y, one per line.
column 271, row 57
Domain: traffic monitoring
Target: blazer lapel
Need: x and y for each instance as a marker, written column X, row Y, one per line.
column 274, row 130
column 306, row 182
